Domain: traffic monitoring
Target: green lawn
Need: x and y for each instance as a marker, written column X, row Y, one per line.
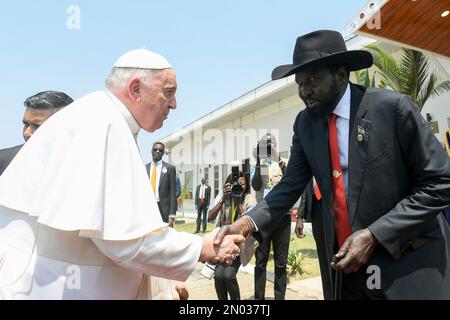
column 307, row 246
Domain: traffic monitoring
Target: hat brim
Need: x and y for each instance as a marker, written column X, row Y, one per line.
column 353, row 60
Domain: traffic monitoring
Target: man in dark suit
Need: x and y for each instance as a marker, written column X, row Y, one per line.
column 202, row 199
column 7, row 155
column 38, row 109
column 269, row 170
column 383, row 176
column 163, row 181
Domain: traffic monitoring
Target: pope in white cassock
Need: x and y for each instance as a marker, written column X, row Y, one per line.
column 78, row 218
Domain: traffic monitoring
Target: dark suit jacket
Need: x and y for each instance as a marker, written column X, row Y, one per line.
column 207, row 195
column 7, row 155
column 399, row 183
column 309, row 209
column 305, row 206
column 167, row 190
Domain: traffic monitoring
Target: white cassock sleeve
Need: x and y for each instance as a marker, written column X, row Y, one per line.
column 163, row 253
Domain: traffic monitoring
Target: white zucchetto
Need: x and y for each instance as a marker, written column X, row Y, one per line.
column 142, row 59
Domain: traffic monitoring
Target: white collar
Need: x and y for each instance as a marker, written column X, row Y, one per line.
column 157, row 163
column 343, row 107
column 134, row 126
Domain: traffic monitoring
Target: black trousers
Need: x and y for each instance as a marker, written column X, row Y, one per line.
column 354, row 287
column 164, row 218
column 225, row 281
column 201, row 213
column 280, row 239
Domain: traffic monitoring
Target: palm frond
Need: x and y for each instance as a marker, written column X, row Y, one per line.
column 414, row 69
column 389, row 68
column 432, row 88
column 408, row 75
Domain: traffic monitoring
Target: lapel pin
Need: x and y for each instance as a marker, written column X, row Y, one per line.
column 336, row 174
column 361, row 133
column 360, row 137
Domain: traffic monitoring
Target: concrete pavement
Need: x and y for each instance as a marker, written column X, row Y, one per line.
column 201, row 288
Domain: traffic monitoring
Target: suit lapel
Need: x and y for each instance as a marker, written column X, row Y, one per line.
column 358, row 147
column 163, row 172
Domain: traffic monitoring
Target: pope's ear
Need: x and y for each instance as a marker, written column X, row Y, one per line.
column 134, row 89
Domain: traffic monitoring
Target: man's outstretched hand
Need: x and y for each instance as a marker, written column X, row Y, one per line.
column 243, row 226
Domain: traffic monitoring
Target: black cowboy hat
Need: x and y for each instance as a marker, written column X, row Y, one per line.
column 322, row 48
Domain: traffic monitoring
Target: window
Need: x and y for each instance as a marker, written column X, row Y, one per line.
column 434, row 126
column 188, row 180
column 224, row 173
column 207, row 175
column 246, row 170
column 216, row 181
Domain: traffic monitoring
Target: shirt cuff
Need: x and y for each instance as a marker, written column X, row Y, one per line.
column 254, row 224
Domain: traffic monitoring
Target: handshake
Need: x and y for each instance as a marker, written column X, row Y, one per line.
column 222, row 245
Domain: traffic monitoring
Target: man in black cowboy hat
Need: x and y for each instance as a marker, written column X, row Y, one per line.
column 383, row 176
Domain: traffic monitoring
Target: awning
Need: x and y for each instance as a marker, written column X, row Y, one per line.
column 419, row 24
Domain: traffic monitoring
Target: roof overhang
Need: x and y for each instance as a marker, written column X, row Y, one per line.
column 419, row 24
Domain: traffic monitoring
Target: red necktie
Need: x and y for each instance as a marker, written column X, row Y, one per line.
column 201, row 193
column 317, row 191
column 342, row 221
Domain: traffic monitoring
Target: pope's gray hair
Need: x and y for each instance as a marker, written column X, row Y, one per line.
column 119, row 77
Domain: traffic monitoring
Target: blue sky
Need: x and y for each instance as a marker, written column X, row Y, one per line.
column 219, row 49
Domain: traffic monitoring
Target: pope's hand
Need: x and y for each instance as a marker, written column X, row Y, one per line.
column 224, row 253
column 179, row 290
column 243, row 227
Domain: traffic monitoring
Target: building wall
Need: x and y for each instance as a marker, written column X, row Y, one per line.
column 246, row 131
column 439, row 110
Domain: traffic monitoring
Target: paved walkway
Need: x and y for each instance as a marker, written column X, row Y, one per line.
column 201, row 288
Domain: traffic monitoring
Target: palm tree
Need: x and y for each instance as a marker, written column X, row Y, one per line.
column 410, row 74
column 363, row 78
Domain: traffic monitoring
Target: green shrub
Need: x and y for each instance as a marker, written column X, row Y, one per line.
column 295, row 263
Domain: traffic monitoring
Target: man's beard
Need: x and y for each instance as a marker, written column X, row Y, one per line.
column 323, row 110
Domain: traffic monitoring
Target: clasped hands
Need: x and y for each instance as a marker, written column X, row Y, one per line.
column 221, row 245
